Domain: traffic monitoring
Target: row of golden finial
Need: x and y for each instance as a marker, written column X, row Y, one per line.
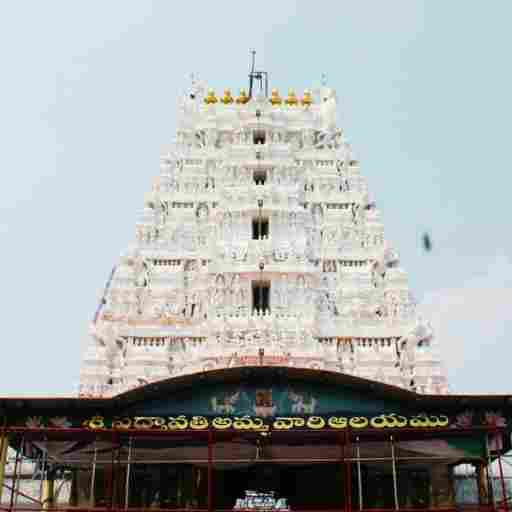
column 292, row 99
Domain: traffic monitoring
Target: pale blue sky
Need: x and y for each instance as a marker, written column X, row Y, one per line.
column 88, row 96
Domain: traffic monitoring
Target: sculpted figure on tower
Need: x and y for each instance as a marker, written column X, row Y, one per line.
column 258, row 245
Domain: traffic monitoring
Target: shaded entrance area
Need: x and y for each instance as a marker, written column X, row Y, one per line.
column 317, row 486
column 319, row 440
column 206, row 470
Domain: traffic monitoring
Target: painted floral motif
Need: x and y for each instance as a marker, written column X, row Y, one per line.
column 34, row 422
column 495, row 419
column 60, row 422
column 463, row 420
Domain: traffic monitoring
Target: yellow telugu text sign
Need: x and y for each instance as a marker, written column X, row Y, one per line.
column 256, row 424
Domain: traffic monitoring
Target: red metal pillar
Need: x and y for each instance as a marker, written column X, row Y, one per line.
column 210, row 470
column 344, row 469
column 348, row 465
column 502, row 477
column 109, row 491
column 116, row 478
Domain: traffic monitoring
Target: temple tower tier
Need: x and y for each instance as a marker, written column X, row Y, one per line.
column 259, row 244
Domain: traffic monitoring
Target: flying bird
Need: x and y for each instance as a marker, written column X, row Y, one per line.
column 427, row 242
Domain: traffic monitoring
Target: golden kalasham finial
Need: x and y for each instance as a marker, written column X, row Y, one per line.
column 307, row 99
column 292, row 98
column 210, row 97
column 227, row 98
column 242, row 98
column 275, row 99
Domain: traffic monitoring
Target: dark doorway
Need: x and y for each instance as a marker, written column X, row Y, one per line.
column 261, row 296
column 258, row 136
column 260, row 176
column 260, row 228
column 314, row 486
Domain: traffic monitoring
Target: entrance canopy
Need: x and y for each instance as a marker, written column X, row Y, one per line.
column 264, row 401
column 259, row 398
column 201, row 441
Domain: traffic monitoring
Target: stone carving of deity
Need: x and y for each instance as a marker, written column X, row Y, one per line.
column 238, row 291
column 317, row 215
column 331, row 235
column 323, row 302
column 406, row 355
column 292, row 222
column 315, row 241
column 173, row 184
column 219, row 293
column 284, row 291
column 393, row 305
column 202, row 214
column 161, row 210
column 357, row 213
column 325, row 284
column 246, row 135
column 302, row 292
column 239, row 136
column 211, row 138
column 141, row 271
column 308, row 138
column 189, row 240
column 352, row 358
column 227, row 222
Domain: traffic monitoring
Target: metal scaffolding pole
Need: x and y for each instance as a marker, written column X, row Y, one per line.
column 489, row 471
column 43, row 467
column 117, row 459
column 210, row 470
column 22, row 494
column 116, row 475
column 18, row 483
column 393, row 463
column 503, row 486
column 4, row 445
column 110, row 474
column 344, row 465
column 14, row 489
column 48, row 495
column 359, row 478
column 349, row 473
column 128, row 468
column 93, row 473
column 47, row 482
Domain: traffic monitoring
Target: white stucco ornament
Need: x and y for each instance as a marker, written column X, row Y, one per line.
column 257, row 244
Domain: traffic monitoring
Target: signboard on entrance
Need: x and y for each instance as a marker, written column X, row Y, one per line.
column 257, row 424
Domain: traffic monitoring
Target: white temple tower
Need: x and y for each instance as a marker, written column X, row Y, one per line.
column 258, row 245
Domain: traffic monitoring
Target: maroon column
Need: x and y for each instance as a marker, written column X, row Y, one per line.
column 210, row 470
column 344, row 469
column 109, row 484
column 348, row 465
column 502, row 478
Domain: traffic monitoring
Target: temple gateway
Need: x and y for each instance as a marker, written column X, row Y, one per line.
column 257, row 347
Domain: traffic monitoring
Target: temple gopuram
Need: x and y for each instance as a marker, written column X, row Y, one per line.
column 257, row 347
